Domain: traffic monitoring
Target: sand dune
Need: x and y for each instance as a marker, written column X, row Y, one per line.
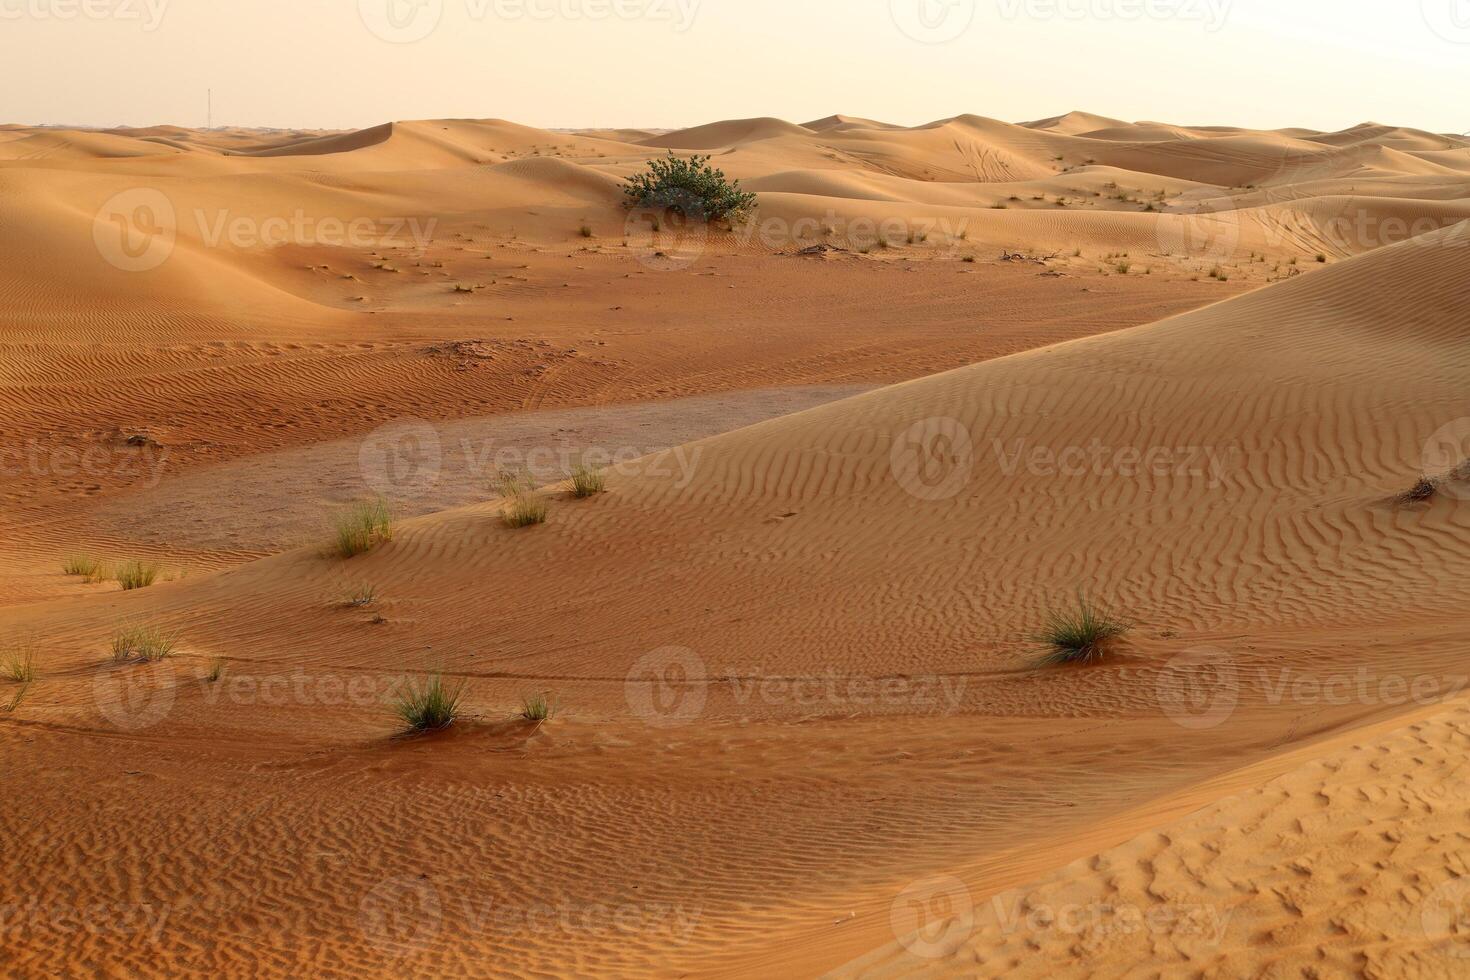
column 802, row 723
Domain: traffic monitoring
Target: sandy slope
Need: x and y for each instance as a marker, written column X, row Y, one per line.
column 793, row 660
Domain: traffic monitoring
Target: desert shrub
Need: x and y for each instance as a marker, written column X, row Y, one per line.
column 18, row 663
column 1081, row 633
column 136, row 575
column 537, row 708
column 363, row 527
column 84, row 565
column 429, row 706
column 691, row 187
column 587, row 482
column 142, row 642
column 523, row 506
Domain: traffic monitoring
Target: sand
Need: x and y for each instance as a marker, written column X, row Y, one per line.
column 801, row 724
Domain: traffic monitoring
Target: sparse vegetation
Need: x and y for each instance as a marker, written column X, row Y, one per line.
column 538, row 708
column 18, row 663
column 523, row 505
column 585, row 231
column 84, row 565
column 142, row 642
column 428, row 706
column 136, row 575
column 587, row 482
column 691, row 187
column 15, row 701
column 364, row 526
column 1081, row 634
column 1321, row 257
column 361, row 597
column 216, row 671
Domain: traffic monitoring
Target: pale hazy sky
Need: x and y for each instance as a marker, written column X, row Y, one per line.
column 1326, row 64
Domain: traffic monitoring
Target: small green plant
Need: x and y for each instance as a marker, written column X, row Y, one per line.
column 538, row 708
column 216, row 671
column 141, row 642
column 1081, row 634
column 585, row 231
column 1123, row 268
column 136, row 575
column 18, row 663
column 84, row 565
column 690, row 187
column 430, row 705
column 361, row 597
column 587, row 482
column 363, row 527
column 523, row 506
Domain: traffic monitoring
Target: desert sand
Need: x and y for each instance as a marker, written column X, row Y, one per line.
column 949, row 377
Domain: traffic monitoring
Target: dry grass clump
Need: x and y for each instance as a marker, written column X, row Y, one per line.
column 136, row 575
column 537, row 708
column 587, row 482
column 18, row 663
column 142, row 643
column 523, row 506
column 364, row 526
column 86, row 566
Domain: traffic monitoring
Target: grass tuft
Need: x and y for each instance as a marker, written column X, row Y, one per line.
column 216, row 670
column 84, row 565
column 1081, row 634
column 363, row 527
column 430, row 706
column 587, row 482
column 523, row 507
column 142, row 643
column 538, row 708
column 136, row 575
column 361, row 597
column 18, row 664
column 20, row 695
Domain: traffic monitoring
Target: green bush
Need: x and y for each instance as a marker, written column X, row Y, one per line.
column 690, row 187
